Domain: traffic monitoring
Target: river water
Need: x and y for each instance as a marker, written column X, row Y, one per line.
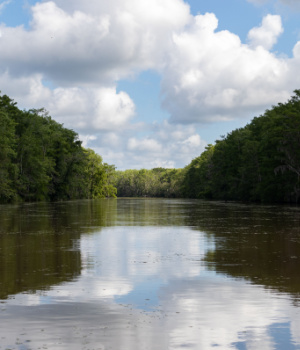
column 157, row 274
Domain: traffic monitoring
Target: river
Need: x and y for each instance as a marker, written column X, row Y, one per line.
column 157, row 274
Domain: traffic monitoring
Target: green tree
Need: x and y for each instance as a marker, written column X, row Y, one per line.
column 260, row 162
column 8, row 169
column 198, row 176
column 42, row 160
column 97, row 174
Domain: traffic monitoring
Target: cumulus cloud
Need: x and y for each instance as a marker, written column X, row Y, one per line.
column 29, row 91
column 175, row 145
column 267, row 34
column 86, row 109
column 166, row 145
column 144, row 145
column 74, row 52
column 91, row 42
column 92, row 109
column 213, row 76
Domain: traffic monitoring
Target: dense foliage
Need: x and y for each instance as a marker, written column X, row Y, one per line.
column 157, row 182
column 42, row 160
column 260, row 162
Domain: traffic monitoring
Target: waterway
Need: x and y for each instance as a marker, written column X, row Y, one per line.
column 157, row 274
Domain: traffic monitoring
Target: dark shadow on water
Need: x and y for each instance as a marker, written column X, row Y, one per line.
column 39, row 242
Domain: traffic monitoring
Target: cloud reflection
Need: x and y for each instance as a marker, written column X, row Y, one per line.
column 195, row 308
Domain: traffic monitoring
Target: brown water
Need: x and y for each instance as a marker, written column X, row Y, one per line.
column 135, row 274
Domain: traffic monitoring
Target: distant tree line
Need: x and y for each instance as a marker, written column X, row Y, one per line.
column 157, row 182
column 40, row 160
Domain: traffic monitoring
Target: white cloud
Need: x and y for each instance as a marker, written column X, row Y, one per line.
column 74, row 52
column 144, row 145
column 296, row 51
column 87, row 110
column 85, row 139
column 167, row 145
column 91, row 109
column 213, row 76
column 150, row 151
column 267, row 34
column 193, row 141
column 90, row 42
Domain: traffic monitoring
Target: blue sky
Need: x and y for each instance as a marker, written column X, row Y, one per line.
column 149, row 83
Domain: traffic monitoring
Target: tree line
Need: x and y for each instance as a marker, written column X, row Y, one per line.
column 257, row 163
column 40, row 160
column 157, row 182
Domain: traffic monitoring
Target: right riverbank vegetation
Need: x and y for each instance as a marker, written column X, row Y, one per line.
column 40, row 160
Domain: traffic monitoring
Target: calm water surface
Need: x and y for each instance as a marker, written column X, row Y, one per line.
column 135, row 274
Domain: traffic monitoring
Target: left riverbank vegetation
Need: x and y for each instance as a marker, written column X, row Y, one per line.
column 42, row 160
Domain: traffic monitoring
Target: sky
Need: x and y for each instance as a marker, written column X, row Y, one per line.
column 149, row 83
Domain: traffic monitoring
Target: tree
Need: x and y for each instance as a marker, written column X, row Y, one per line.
column 8, row 169
column 41, row 160
column 97, row 175
column 260, row 162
